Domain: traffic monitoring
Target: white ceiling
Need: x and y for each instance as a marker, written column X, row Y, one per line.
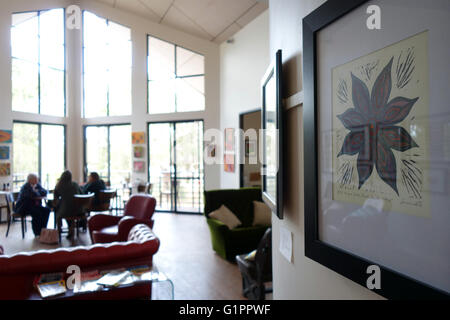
column 214, row 20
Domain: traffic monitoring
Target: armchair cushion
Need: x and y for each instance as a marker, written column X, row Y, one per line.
column 104, row 228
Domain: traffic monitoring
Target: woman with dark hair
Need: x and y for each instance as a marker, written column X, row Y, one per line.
column 64, row 191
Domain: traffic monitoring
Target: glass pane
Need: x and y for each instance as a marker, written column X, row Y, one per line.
column 24, row 86
column 119, row 42
column 95, row 94
column 95, row 31
column 51, row 38
column 160, row 166
column 189, row 160
column 24, row 36
column 161, row 96
column 271, row 139
column 161, row 59
column 120, row 140
column 189, row 63
column 52, row 92
column 26, row 152
column 97, row 151
column 190, row 94
column 52, row 154
column 119, row 92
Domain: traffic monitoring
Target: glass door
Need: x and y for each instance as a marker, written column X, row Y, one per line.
column 176, row 165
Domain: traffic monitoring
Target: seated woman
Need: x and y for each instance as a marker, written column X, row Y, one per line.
column 94, row 185
column 29, row 202
column 64, row 191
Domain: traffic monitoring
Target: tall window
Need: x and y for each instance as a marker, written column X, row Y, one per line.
column 38, row 62
column 107, row 67
column 176, row 80
column 108, row 152
column 40, row 149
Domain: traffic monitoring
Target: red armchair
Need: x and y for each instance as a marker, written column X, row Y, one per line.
column 104, row 228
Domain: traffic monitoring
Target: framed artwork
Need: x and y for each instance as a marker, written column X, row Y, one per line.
column 228, row 161
column 5, row 169
column 370, row 151
column 211, row 150
column 138, row 137
column 138, row 152
column 272, row 138
column 139, row 166
column 250, row 148
column 5, row 136
column 229, row 140
column 230, row 150
column 4, row 152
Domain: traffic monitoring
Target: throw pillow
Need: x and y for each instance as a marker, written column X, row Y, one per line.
column 224, row 215
column 262, row 214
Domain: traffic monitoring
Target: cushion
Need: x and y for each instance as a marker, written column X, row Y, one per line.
column 224, row 215
column 262, row 214
column 140, row 233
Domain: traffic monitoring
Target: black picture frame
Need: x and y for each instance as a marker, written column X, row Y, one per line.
column 394, row 285
column 274, row 71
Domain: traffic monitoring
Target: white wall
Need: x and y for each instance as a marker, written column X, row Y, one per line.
column 242, row 66
column 140, row 27
column 303, row 278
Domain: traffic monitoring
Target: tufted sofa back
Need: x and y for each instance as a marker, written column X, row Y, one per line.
column 18, row 271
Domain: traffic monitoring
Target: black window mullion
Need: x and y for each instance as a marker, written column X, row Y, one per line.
column 107, row 74
column 109, row 153
column 176, row 75
column 40, row 151
column 39, row 61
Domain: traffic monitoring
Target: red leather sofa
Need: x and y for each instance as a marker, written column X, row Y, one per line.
column 105, row 228
column 18, row 271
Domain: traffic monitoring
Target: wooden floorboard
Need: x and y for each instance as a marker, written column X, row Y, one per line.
column 185, row 256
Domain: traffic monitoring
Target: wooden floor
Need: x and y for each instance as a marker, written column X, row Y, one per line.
column 185, row 256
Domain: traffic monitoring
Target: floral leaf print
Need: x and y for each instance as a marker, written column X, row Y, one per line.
column 373, row 134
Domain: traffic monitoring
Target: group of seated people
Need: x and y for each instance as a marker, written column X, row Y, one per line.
column 30, row 197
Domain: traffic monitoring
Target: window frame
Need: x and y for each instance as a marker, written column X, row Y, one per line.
column 39, row 60
column 108, row 126
column 83, row 70
column 175, row 72
column 40, row 124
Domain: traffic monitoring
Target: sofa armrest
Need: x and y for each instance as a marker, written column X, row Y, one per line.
column 100, row 221
column 127, row 223
column 217, row 225
column 220, row 236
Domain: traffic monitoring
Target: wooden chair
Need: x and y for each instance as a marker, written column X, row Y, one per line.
column 81, row 203
column 105, row 197
column 12, row 215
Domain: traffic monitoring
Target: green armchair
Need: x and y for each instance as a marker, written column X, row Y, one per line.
column 243, row 239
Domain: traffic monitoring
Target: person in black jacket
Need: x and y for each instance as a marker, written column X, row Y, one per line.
column 94, row 185
column 29, row 202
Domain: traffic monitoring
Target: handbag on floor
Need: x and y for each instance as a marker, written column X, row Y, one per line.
column 49, row 236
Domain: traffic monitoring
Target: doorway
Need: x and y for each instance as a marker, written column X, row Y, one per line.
column 176, row 170
column 250, row 167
